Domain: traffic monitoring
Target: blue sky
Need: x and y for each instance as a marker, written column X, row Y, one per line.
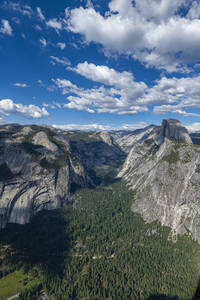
column 116, row 64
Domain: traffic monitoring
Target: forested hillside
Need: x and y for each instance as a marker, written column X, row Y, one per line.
column 96, row 248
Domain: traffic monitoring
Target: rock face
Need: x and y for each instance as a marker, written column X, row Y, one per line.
column 166, row 177
column 173, row 129
column 126, row 139
column 41, row 139
column 98, row 152
column 41, row 167
column 37, row 170
column 107, row 138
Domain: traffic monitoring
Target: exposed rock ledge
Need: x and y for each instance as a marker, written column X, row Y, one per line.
column 167, row 180
column 36, row 172
column 173, row 129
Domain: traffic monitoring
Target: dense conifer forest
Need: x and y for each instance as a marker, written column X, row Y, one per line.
column 95, row 248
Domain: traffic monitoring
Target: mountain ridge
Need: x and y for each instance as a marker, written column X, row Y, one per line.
column 44, row 166
column 166, row 178
column 40, row 168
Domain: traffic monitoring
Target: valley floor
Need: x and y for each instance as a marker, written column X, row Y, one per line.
column 95, row 248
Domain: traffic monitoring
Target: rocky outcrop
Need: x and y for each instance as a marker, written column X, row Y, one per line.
column 98, row 151
column 40, row 167
column 166, row 178
column 41, row 139
column 106, row 138
column 127, row 139
column 22, row 198
column 37, row 170
column 173, row 129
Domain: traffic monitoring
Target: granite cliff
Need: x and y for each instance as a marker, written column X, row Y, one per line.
column 37, row 170
column 173, row 129
column 41, row 167
column 165, row 172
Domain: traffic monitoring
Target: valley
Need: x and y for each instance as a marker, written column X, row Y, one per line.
column 100, row 150
column 97, row 215
column 101, row 250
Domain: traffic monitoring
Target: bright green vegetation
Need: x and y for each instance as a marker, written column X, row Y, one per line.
column 5, row 172
column 31, row 292
column 172, row 158
column 119, row 257
column 95, row 248
column 15, row 283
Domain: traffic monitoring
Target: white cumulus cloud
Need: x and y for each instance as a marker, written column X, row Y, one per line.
column 8, row 107
column 119, row 93
column 104, row 74
column 175, row 92
column 154, row 32
column 194, row 127
column 121, row 96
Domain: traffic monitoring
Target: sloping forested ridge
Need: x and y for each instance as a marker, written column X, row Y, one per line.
column 96, row 248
